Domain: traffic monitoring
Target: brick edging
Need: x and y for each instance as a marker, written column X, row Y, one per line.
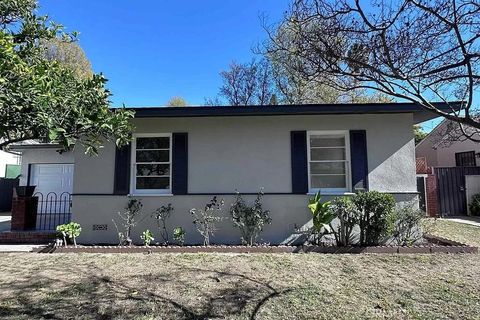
column 441, row 245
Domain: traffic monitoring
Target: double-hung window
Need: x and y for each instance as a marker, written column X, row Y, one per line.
column 328, row 161
column 152, row 164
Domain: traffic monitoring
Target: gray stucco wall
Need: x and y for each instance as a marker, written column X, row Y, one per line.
column 242, row 153
column 42, row 156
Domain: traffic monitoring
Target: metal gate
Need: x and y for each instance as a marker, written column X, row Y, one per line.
column 452, row 199
column 53, row 209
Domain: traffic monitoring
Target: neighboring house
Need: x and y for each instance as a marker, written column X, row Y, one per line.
column 185, row 156
column 9, row 164
column 441, row 149
column 448, row 170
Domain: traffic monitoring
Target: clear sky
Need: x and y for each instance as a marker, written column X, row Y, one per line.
column 152, row 50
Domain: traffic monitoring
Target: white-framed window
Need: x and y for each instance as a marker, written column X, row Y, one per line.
column 328, row 161
column 151, row 164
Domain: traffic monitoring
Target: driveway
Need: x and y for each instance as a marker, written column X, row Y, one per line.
column 5, row 222
column 474, row 221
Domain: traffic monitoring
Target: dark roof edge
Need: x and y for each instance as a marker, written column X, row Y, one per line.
column 307, row 109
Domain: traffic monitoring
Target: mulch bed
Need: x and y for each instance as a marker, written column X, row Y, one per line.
column 434, row 245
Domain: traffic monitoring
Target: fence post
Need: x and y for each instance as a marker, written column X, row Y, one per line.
column 24, row 213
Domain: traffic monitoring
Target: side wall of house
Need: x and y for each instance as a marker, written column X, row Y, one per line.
column 241, row 153
column 446, row 155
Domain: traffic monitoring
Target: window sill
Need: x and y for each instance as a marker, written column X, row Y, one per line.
column 150, row 195
column 333, row 193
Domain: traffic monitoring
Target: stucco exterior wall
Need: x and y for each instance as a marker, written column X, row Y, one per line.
column 446, row 155
column 42, row 156
column 443, row 155
column 245, row 154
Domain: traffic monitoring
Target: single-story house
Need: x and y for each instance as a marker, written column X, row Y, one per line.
column 444, row 147
column 187, row 155
column 448, row 169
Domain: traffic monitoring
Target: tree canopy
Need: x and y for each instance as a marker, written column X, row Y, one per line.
column 177, row 102
column 69, row 54
column 417, row 51
column 44, row 99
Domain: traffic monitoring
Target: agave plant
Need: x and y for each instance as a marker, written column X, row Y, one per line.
column 322, row 216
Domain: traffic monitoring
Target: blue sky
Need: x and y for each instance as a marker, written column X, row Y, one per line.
column 153, row 50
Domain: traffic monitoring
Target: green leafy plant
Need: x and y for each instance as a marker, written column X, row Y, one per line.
column 147, row 237
column 249, row 219
column 129, row 219
column 474, row 205
column 321, row 217
column 70, row 231
column 375, row 216
column 161, row 215
column 343, row 209
column 41, row 98
column 206, row 219
column 408, row 225
column 179, row 235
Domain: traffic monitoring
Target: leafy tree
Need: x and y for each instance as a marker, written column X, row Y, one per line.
column 418, row 51
column 418, row 133
column 43, row 99
column 177, row 102
column 247, row 84
column 68, row 54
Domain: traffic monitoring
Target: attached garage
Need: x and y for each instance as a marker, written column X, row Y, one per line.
column 52, row 174
column 52, row 177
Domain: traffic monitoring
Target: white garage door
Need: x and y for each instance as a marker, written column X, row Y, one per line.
column 56, row 178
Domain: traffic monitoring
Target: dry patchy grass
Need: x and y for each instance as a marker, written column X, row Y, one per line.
column 237, row 286
column 460, row 232
column 256, row 286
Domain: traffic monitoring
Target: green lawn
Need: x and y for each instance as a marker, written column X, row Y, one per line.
column 255, row 286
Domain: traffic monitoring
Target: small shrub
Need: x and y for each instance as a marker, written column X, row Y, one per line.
column 161, row 215
column 408, row 225
column 70, row 231
column 474, row 205
column 206, row 219
column 343, row 209
column 179, row 235
column 375, row 216
column 321, row 217
column 128, row 220
column 147, row 237
column 249, row 219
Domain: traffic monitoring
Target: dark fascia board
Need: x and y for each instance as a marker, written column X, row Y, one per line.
column 420, row 113
column 35, row 146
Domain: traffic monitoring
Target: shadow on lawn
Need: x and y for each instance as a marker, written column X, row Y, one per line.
column 183, row 293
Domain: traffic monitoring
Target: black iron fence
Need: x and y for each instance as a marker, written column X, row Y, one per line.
column 53, row 209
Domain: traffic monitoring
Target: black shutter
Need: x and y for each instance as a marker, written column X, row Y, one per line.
column 358, row 152
column 121, row 183
column 299, row 162
column 180, row 163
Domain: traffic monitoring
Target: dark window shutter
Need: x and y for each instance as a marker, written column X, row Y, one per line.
column 358, row 153
column 121, row 183
column 299, row 162
column 180, row 163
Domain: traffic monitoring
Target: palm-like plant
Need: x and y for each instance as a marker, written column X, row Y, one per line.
column 322, row 216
